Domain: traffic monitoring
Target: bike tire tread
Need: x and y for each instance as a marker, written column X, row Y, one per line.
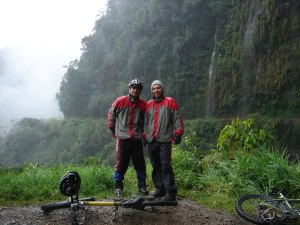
column 240, row 211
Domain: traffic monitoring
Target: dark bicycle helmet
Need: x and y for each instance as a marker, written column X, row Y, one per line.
column 135, row 82
column 70, row 183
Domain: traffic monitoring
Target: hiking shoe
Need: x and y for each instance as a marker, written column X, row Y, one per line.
column 142, row 186
column 143, row 190
column 157, row 194
column 119, row 192
column 169, row 197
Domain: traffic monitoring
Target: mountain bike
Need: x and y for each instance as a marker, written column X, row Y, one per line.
column 70, row 185
column 273, row 208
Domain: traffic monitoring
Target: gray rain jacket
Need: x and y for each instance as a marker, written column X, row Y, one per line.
column 162, row 120
column 127, row 118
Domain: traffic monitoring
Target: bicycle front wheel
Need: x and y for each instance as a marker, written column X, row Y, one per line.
column 260, row 209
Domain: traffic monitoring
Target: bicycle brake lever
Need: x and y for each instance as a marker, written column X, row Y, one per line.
column 274, row 191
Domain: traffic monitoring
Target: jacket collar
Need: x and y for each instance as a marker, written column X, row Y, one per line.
column 133, row 99
column 159, row 99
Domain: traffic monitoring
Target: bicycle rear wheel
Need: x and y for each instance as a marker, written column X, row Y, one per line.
column 61, row 205
column 260, row 209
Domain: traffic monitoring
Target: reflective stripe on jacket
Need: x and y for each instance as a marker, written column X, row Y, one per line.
column 163, row 120
column 127, row 118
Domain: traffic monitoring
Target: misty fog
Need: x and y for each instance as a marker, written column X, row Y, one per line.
column 28, row 83
column 37, row 39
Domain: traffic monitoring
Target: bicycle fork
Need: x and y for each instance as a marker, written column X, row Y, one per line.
column 115, row 213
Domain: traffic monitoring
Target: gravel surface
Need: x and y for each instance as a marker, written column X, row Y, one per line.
column 186, row 213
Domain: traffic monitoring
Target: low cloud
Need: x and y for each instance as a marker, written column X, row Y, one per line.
column 37, row 39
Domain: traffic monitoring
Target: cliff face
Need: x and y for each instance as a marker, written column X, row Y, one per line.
column 278, row 44
column 257, row 67
column 216, row 57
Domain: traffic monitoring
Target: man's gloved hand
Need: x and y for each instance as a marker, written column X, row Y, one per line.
column 145, row 142
column 177, row 140
column 113, row 132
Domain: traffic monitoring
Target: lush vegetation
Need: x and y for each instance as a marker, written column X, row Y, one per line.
column 255, row 70
column 33, row 183
column 47, row 142
column 215, row 180
column 256, row 67
column 246, row 160
column 56, row 141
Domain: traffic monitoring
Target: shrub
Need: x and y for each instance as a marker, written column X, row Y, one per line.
column 242, row 135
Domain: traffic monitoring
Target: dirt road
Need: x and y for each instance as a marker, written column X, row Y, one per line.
column 186, row 213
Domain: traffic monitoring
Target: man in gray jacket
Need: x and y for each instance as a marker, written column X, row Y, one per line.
column 163, row 126
column 125, row 119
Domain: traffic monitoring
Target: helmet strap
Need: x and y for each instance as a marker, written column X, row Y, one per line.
column 133, row 99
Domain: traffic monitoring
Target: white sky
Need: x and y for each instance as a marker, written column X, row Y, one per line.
column 39, row 37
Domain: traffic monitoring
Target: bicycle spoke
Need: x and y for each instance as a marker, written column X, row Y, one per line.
column 260, row 209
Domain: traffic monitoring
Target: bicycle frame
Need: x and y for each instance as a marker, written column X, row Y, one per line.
column 137, row 203
column 97, row 203
column 291, row 211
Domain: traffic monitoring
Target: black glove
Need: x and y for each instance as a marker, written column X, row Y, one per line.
column 145, row 142
column 113, row 132
column 177, row 140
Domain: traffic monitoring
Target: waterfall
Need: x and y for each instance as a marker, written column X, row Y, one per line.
column 208, row 108
column 249, row 55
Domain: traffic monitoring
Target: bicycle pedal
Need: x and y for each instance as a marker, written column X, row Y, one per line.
column 150, row 197
column 153, row 209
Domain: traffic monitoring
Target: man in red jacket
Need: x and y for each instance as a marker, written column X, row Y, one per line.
column 125, row 120
column 163, row 125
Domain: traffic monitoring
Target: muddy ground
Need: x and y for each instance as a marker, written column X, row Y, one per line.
column 186, row 213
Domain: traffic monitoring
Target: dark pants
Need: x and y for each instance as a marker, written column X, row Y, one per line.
column 162, row 175
column 129, row 149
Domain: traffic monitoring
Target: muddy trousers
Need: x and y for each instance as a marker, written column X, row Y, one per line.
column 162, row 175
column 127, row 150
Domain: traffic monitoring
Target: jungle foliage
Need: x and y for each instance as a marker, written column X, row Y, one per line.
column 81, row 140
column 255, row 70
column 57, row 141
column 215, row 180
column 256, row 46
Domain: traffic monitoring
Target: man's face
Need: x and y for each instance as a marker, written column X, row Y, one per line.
column 135, row 91
column 156, row 91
